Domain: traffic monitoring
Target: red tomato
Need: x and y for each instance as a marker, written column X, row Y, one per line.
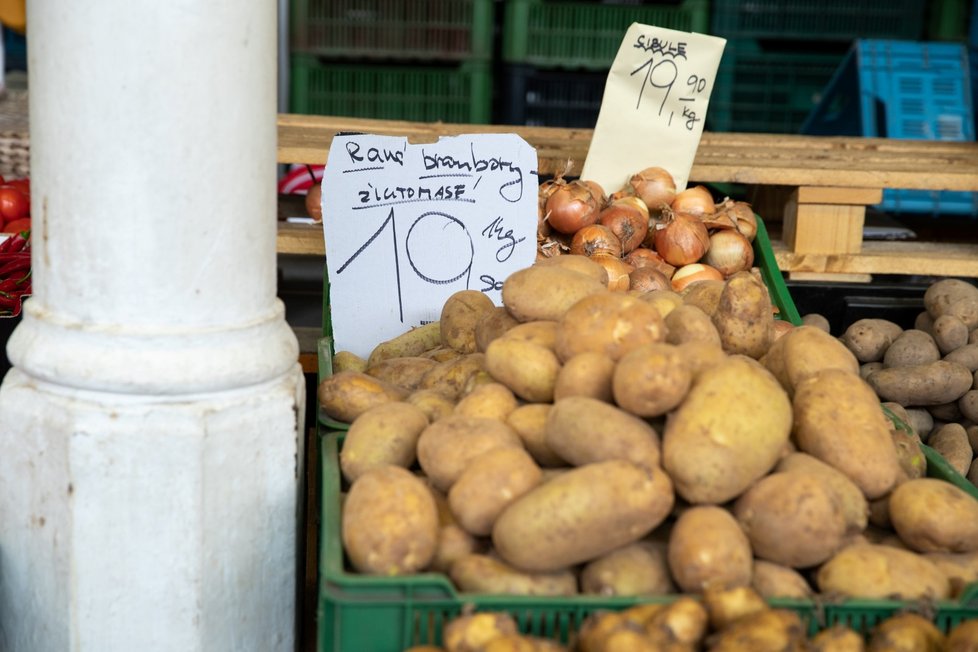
column 13, row 203
column 23, row 185
column 16, row 226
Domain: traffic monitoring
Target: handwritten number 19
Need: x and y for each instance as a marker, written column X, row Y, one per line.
column 660, row 75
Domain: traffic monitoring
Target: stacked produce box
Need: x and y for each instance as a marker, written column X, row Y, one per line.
column 556, row 54
column 692, row 454
column 423, row 60
column 781, row 54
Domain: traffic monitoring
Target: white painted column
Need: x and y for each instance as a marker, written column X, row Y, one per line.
column 150, row 432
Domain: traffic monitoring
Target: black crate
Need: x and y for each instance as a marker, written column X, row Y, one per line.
column 550, row 98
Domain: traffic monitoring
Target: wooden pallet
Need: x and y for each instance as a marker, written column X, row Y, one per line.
column 832, row 181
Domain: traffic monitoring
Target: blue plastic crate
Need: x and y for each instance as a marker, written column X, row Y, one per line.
column 908, row 90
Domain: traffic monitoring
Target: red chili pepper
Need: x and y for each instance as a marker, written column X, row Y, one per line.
column 21, row 242
column 20, row 263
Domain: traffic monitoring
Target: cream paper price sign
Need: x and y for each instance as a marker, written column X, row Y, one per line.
column 408, row 225
column 654, row 103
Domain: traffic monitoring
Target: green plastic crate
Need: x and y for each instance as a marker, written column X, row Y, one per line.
column 557, row 34
column 362, row 613
column 947, row 20
column 759, row 90
column 452, row 30
column 829, row 20
column 454, row 93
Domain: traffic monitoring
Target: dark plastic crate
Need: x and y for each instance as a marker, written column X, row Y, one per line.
column 559, row 34
column 908, row 90
column 456, row 93
column 550, row 98
column 829, row 20
column 452, row 30
column 768, row 89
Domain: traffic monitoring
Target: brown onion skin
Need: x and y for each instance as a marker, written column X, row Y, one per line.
column 730, row 252
column 598, row 193
column 618, row 271
column 314, row 206
column 683, row 240
column 689, row 274
column 696, row 201
column 644, row 257
column 655, row 186
column 743, row 218
column 647, row 279
column 572, row 207
column 626, row 222
column 596, row 240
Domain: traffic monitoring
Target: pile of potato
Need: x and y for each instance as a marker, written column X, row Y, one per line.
column 724, row 620
column 580, row 440
column 928, row 375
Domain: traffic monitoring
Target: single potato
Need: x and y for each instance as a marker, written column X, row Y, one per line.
column 459, row 315
column 546, row 291
column 530, row 423
column 636, row 569
column 651, row 380
column 707, row 546
column 447, row 446
column 586, row 374
column 612, row 323
column 386, row 434
column 489, row 575
column 878, row 571
column 574, row 422
column 488, row 484
column 346, row 395
column 932, row 515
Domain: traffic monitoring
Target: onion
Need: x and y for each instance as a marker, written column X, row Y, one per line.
column 647, row 279
column 689, row 274
column 780, row 327
column 314, row 205
column 626, row 191
column 552, row 245
column 596, row 240
column 655, row 186
column 730, row 252
column 682, row 240
column 627, row 222
column 597, row 192
column 743, row 217
column 643, row 257
column 618, row 271
column 571, row 207
column 696, row 201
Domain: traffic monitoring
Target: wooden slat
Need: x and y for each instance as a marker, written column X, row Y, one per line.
column 301, row 239
column 836, row 195
column 824, row 228
column 914, row 258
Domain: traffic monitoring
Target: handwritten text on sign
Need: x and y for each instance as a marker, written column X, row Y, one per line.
column 654, row 104
column 406, row 226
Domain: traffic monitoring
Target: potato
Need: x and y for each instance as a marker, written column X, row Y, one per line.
column 950, row 333
column 972, row 432
column 441, row 354
column 520, row 643
column 348, row 361
column 920, row 420
column 492, row 324
column 906, row 631
column 816, row 320
column 725, row 605
column 346, row 395
column 453, row 542
column 452, row 376
column 582, row 514
column 433, row 403
column 386, row 434
column 776, row 581
column 855, row 509
column 489, row 483
column 973, row 472
column 585, row 374
column 946, row 412
column 744, row 316
column 490, row 400
column 541, row 332
column 911, row 456
column 528, row 369
column 404, row 372
column 966, row 355
column 794, row 519
column 952, row 296
column 963, row 637
column 612, row 323
column 708, row 547
column 470, row 633
column 689, row 323
column 665, row 301
column 700, row 356
column 771, row 630
column 410, row 343
column 968, row 404
column 878, row 571
column 924, row 322
column 838, row 419
column 730, row 431
column 651, row 380
column 705, row 295
column 485, row 574
column 838, row 638
column 574, row 422
column 683, row 621
column 911, row 348
column 577, row 263
column 546, row 291
column 530, row 423
column 932, row 515
column 805, row 351
column 459, row 315
column 961, row 569
column 951, row 441
column 638, row 568
column 868, row 339
column 447, row 446
column 389, row 522
column 868, row 368
column 973, row 336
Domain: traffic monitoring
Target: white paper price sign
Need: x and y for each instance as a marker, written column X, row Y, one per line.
column 653, row 106
column 406, row 226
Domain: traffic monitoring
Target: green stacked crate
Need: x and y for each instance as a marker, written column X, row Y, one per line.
column 426, row 60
